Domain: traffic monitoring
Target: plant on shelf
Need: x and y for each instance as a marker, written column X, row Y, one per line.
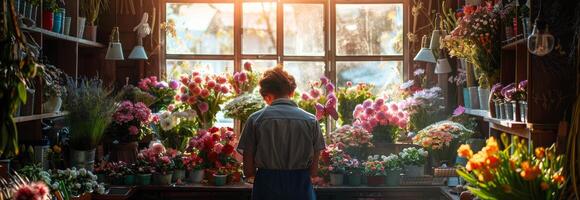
column 162, row 92
column 204, row 94
column 513, row 173
column 374, row 169
column 194, row 164
column 242, row 106
column 215, row 147
column 385, row 120
column 393, row 167
column 92, row 8
column 74, row 183
column 161, row 161
column 350, row 96
column 440, row 139
column 91, row 107
column 476, row 39
column 175, row 128
column 336, row 160
column 53, row 88
column 130, row 122
column 179, row 166
column 18, row 67
column 114, row 172
column 356, row 140
column 413, row 156
column 245, row 81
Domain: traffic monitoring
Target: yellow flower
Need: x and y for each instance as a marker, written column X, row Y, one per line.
column 491, row 147
column 465, row 151
column 540, row 152
column 56, row 149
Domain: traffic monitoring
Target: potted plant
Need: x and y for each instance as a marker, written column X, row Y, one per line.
column 509, row 92
column 393, row 167
column 115, row 172
column 176, row 127
column 161, row 162
column 338, row 160
column 128, row 174
column 522, row 92
column 374, row 170
column 143, row 170
column 163, row 92
column 90, row 106
column 220, row 177
column 194, row 164
column 54, row 89
column 91, row 10
column 498, row 99
column 50, row 6
column 21, row 67
column 130, row 124
column 179, row 166
column 441, row 139
column 414, row 160
column 384, row 120
column 76, row 183
column 356, row 140
column 353, row 172
column 424, row 107
column 350, row 96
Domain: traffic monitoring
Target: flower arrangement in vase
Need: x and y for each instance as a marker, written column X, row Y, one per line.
column 498, row 101
column 414, row 160
column 383, row 119
column 215, row 147
column 159, row 158
column 130, row 122
column 162, row 91
column 143, row 171
column 179, row 166
column 194, row 164
column 204, row 94
column 242, row 106
column 440, row 139
column 356, row 140
column 245, row 81
column 522, row 95
column 176, row 127
column 513, row 173
column 350, row 96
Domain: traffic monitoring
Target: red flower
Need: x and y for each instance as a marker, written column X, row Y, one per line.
column 214, row 129
column 208, row 143
column 212, row 156
column 228, row 149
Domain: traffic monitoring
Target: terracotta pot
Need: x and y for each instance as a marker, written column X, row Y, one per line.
column 375, row 180
column 126, row 152
column 47, row 17
column 91, row 33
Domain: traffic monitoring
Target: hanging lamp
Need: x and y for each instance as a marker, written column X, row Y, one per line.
column 115, row 49
column 425, row 54
column 541, row 41
column 143, row 29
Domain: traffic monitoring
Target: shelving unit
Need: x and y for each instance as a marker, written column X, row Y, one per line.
column 58, row 36
column 39, row 116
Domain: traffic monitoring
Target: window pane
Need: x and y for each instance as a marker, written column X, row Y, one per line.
column 200, row 28
column 261, row 65
column 304, row 72
column 259, row 28
column 304, row 29
column 176, row 68
column 385, row 75
column 369, row 29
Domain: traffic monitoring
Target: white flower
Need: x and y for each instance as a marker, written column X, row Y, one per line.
column 166, row 124
column 82, row 172
column 419, row 72
column 407, row 84
column 101, row 189
column 165, row 115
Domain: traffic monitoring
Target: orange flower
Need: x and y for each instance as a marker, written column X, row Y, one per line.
column 491, row 146
column 513, row 163
column 465, row 151
column 544, row 186
column 485, row 176
column 540, row 152
column 475, row 162
column 529, row 172
column 558, row 178
column 492, row 161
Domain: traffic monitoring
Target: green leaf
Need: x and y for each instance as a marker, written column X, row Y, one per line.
column 22, row 92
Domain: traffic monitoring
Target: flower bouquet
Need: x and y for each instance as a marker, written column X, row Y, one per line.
column 383, row 119
column 440, row 139
column 241, row 107
column 320, row 100
column 245, row 81
column 162, row 91
column 356, row 140
column 204, row 94
column 414, row 160
column 176, row 127
column 143, row 170
column 161, row 160
column 215, row 147
column 513, row 173
column 130, row 122
column 349, row 97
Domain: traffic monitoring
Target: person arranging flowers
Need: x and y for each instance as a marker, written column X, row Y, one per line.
column 281, row 143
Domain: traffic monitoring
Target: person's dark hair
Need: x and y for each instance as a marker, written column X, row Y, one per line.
column 277, row 82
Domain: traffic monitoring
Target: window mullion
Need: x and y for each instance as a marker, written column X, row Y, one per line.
column 238, row 17
column 280, row 32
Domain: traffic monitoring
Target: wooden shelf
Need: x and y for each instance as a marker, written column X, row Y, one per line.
column 39, row 116
column 478, row 113
column 512, row 43
column 507, row 126
column 80, row 41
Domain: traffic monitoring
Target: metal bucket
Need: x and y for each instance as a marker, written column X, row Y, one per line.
column 83, row 159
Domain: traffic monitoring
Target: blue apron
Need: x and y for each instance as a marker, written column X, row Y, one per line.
column 283, row 185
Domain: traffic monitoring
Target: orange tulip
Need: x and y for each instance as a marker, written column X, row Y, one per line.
column 491, row 146
column 529, row 172
column 540, row 152
column 465, row 151
column 544, row 186
column 558, row 178
column 492, row 161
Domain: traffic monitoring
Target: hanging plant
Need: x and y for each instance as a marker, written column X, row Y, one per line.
column 92, row 9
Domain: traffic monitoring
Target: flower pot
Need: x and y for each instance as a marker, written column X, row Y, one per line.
column 91, row 33
column 53, row 104
column 83, row 159
column 516, row 111
column 393, row 178
column 484, row 94
column 129, row 179
column 501, row 110
column 4, row 168
column 178, row 174
column 466, row 98
column 126, row 152
column 497, row 108
column 336, row 179
column 196, row 176
column 143, row 179
column 47, row 17
column 415, row 171
column 234, row 178
column 58, row 20
column 66, row 29
column 474, row 97
column 219, row 180
column 375, row 180
column 101, row 178
column 354, row 179
column 81, row 26
column 509, row 110
column 524, row 111
column 162, row 179
column 114, row 180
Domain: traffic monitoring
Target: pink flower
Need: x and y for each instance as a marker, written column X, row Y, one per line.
column 243, row 77
column 314, row 93
column 218, row 147
column 323, row 80
column 195, row 73
column 367, row 103
column 197, row 79
column 157, row 148
column 204, row 93
column 348, row 84
column 173, row 84
column 305, row 97
column 165, row 159
column 394, row 107
column 211, row 84
column 133, row 130
column 248, row 66
column 203, row 107
column 329, row 87
column 34, row 191
column 170, row 107
column 225, row 89
column 221, row 79
column 458, row 111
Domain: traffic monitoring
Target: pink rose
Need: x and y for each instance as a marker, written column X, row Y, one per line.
column 314, row 93
column 211, row 84
column 204, row 93
column 329, row 87
column 218, row 147
column 133, row 130
column 394, row 107
column 203, row 107
column 225, row 89
column 221, row 79
column 173, row 84
column 170, row 107
column 197, row 79
column 348, row 84
column 305, row 97
column 248, row 66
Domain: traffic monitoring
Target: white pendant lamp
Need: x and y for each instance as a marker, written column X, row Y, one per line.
column 436, row 35
column 442, row 66
column 425, row 54
column 115, row 49
column 143, row 29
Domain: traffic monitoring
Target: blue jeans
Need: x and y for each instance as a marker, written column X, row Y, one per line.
column 283, row 185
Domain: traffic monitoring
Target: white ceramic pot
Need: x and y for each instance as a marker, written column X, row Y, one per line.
column 415, row 171
column 474, row 96
column 196, row 176
column 336, row 179
column 483, row 98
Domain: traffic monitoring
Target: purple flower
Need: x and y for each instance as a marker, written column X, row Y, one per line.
column 523, row 85
column 458, row 111
column 323, row 80
column 173, row 84
column 329, row 87
column 508, row 91
column 367, row 103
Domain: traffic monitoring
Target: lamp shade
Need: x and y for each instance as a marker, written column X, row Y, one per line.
column 442, row 66
column 115, row 51
column 138, row 53
column 425, row 54
column 435, row 37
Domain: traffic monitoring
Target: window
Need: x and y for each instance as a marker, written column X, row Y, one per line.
column 342, row 39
